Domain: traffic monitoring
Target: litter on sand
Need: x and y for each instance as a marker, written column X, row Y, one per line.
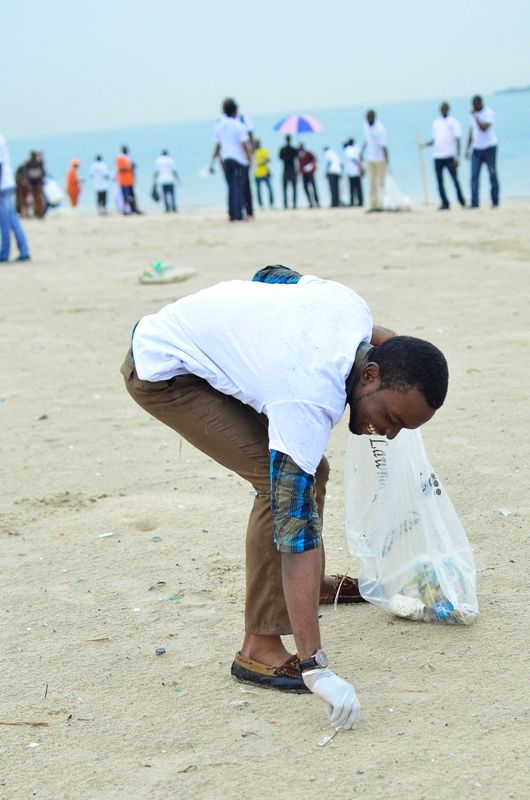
column 25, row 722
column 165, row 273
column 327, row 739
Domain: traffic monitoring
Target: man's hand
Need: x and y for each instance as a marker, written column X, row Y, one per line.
column 344, row 709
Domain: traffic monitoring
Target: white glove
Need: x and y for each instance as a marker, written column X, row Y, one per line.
column 344, row 709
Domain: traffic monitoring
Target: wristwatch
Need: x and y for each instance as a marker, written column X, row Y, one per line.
column 318, row 660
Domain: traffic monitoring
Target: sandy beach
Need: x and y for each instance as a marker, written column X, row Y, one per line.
column 118, row 538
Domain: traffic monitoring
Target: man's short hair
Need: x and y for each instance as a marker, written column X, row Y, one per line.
column 229, row 107
column 405, row 362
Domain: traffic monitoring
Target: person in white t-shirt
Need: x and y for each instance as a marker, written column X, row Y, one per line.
column 447, row 134
column 256, row 374
column 234, row 150
column 9, row 219
column 482, row 147
column 166, row 176
column 100, row 176
column 333, row 173
column 376, row 148
column 354, row 171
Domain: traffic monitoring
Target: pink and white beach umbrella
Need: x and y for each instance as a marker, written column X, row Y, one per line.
column 298, row 123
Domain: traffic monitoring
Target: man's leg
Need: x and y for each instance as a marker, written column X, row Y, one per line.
column 237, row 437
column 285, row 181
column 247, row 193
column 490, row 157
column 439, row 164
column 126, row 194
column 165, row 194
column 234, row 178
column 305, row 184
column 381, row 177
column 227, row 168
column 476, row 163
column 454, row 175
column 294, row 182
column 315, row 192
column 9, row 221
column 258, row 191
column 269, row 187
column 5, row 228
column 373, row 188
column 16, row 227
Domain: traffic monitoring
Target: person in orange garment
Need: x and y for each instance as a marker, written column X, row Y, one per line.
column 73, row 183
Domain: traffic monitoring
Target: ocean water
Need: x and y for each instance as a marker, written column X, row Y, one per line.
column 191, row 145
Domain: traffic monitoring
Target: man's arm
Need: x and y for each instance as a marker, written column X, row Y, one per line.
column 301, row 587
column 297, row 535
column 386, row 154
column 247, row 147
column 469, row 142
column 297, row 529
column 482, row 125
column 216, row 154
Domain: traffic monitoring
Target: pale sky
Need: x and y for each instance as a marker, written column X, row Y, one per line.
column 69, row 66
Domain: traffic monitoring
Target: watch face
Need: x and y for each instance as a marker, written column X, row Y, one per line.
column 321, row 658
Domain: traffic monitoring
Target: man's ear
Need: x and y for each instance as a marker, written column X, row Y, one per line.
column 370, row 372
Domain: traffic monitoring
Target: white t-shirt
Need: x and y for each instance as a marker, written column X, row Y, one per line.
column 375, row 138
column 247, row 122
column 99, row 172
column 7, row 180
column 230, row 133
column 333, row 165
column 165, row 169
column 283, row 349
column 353, row 160
column 446, row 131
column 483, row 139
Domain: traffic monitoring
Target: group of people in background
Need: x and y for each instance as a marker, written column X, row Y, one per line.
column 24, row 192
column 239, row 152
column 123, row 179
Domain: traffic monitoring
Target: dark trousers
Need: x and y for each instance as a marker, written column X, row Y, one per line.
column 488, row 156
column 247, row 194
column 449, row 164
column 168, row 190
column 356, row 191
column 101, row 200
column 310, row 189
column 129, row 199
column 266, row 180
column 334, row 190
column 289, row 178
column 235, row 178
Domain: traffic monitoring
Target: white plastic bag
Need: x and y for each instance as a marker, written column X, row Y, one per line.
column 393, row 197
column 416, row 560
column 52, row 192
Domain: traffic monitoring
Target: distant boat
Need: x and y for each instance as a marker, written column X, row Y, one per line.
column 514, row 90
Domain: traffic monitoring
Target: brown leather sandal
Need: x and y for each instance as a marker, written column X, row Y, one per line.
column 349, row 591
column 286, row 678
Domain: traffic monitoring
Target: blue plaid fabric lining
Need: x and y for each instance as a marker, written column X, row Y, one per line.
column 297, row 526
